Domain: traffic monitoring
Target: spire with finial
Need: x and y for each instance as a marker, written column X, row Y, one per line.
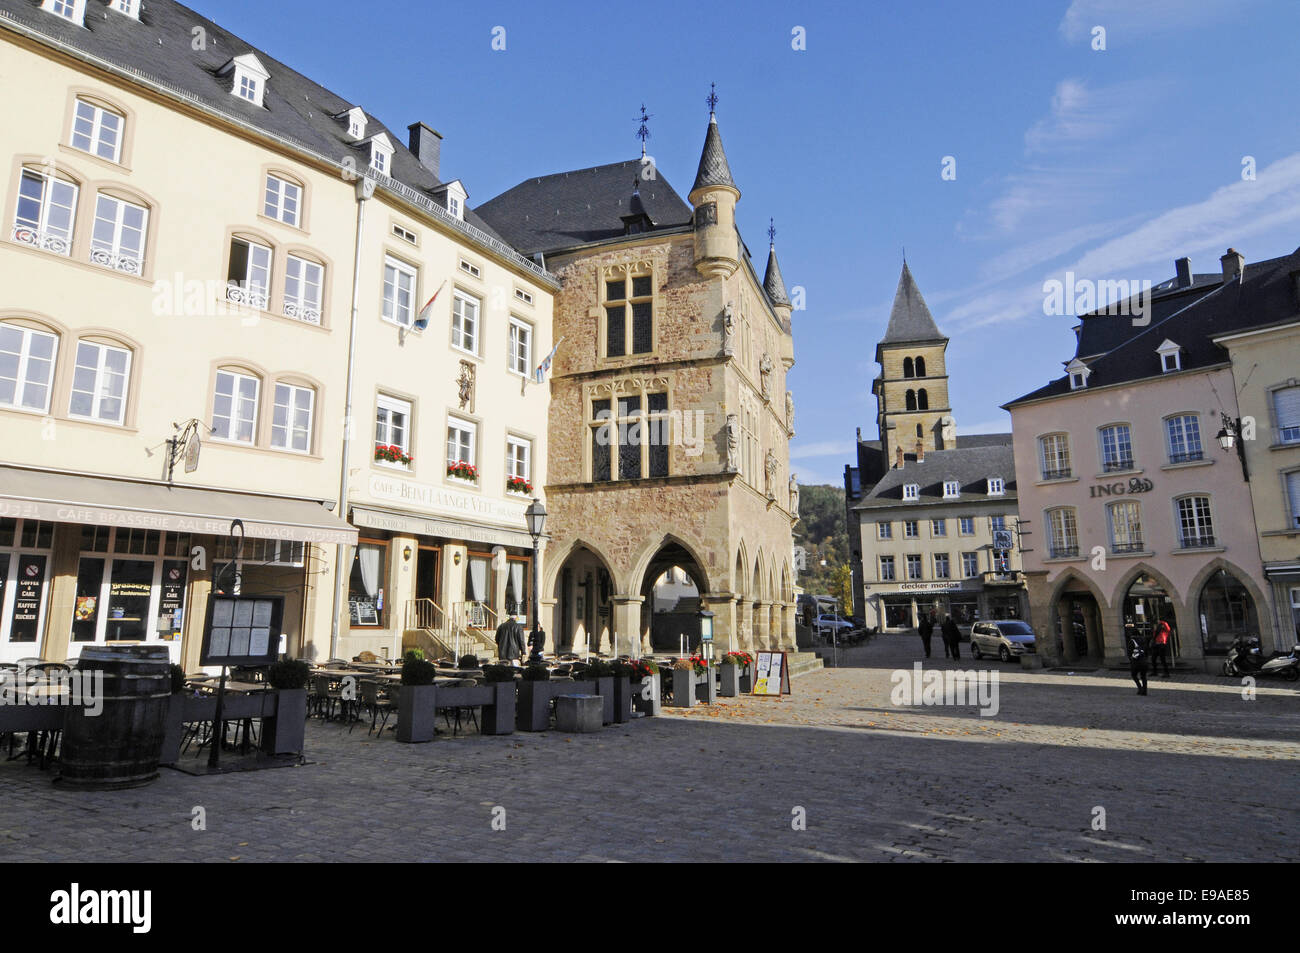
column 713, row 98
column 714, row 169
column 643, row 133
column 771, row 233
column 773, row 283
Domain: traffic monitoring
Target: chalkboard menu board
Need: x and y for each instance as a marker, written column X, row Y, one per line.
column 242, row 630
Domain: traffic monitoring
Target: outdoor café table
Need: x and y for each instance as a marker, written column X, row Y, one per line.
column 39, row 743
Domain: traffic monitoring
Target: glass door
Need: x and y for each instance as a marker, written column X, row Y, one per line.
column 23, row 581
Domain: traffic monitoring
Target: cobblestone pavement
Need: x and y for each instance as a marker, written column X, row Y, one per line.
column 1191, row 772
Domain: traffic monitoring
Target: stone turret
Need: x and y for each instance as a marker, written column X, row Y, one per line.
column 713, row 197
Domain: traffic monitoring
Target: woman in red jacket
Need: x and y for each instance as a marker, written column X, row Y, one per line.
column 1160, row 646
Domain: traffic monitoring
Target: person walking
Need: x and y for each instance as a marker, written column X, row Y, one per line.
column 1161, row 647
column 951, row 636
column 1136, row 648
column 510, row 639
column 925, row 628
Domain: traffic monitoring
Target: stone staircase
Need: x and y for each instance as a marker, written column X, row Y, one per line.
column 801, row 663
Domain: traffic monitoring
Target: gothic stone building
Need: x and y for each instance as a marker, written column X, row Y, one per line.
column 670, row 420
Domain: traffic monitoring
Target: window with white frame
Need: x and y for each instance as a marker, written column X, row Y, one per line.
column 1116, row 448
column 234, row 407
column 911, row 491
column 291, row 417
column 1054, row 456
column 74, row 10
column 461, row 435
column 519, row 464
column 380, row 157
column 997, row 486
column 248, row 280
column 523, row 296
column 966, row 525
column 1063, row 533
column 46, row 212
column 1125, row 522
column 392, row 430
column 884, row 529
column 118, row 238
column 302, row 289
column 453, row 204
column 997, row 522
column 970, row 565
column 99, row 383
column 938, row 527
column 913, row 567
column 464, row 322
column 1184, row 435
column 887, row 568
column 97, row 130
column 130, row 7
column 399, row 292
column 1195, row 524
column 1286, row 412
column 26, row 367
column 941, row 567
column 951, row 489
column 283, row 200
column 405, row 234
column 1293, row 496
column 521, row 346
column 470, row 268
column 911, row 529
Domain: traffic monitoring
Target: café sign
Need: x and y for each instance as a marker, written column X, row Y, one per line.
column 1134, row 485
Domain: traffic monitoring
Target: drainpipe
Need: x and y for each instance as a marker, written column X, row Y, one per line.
column 365, row 190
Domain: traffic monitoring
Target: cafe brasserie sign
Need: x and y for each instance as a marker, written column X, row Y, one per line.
column 1120, row 488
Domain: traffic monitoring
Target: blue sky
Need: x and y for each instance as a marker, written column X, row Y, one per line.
column 1108, row 163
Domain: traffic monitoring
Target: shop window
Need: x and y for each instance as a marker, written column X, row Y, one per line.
column 366, row 585
column 1227, row 613
column 518, row 579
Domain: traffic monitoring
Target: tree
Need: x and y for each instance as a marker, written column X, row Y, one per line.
column 821, row 531
column 842, row 587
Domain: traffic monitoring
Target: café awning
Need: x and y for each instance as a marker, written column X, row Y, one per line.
column 103, row 501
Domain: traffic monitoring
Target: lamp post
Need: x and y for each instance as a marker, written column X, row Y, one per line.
column 535, row 516
column 1229, row 436
column 706, row 633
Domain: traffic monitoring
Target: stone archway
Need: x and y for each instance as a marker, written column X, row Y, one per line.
column 744, row 632
column 1257, row 616
column 1144, row 597
column 582, row 589
column 1074, row 631
column 673, row 587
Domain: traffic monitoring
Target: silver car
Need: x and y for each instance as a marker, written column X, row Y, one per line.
column 1004, row 638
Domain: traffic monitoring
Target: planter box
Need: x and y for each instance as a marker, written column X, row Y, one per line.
column 173, row 729
column 416, row 714
column 747, row 680
column 683, row 688
column 284, row 732
column 533, row 706
column 605, row 689
column 498, row 717
column 706, row 687
column 622, row 700
column 730, row 678
column 651, row 706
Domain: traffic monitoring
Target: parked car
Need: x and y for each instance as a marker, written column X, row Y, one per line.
column 1004, row 638
column 832, row 623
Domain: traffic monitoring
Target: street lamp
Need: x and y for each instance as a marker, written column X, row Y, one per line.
column 706, row 630
column 1229, row 436
column 535, row 516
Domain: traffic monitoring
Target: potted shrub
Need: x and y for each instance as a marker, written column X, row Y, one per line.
column 647, row 692
column 732, row 667
column 533, row 707
column 284, row 733
column 706, row 685
column 621, row 675
column 499, row 717
column 518, row 485
column 463, row 471
column 683, row 683
column 392, row 454
column 416, row 708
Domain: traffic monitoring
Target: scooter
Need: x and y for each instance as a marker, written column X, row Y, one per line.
column 1244, row 658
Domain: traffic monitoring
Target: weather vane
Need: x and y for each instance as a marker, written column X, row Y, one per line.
column 644, row 132
column 771, row 231
column 713, row 97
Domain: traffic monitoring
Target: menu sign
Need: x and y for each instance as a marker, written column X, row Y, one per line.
column 29, row 589
column 171, row 604
column 242, row 630
column 772, row 674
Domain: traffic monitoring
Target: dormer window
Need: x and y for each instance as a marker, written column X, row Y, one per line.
column 356, row 120
column 911, row 491
column 381, row 155
column 997, row 486
column 249, row 78
column 1078, row 372
column 72, row 10
column 455, row 199
column 129, row 7
column 1171, row 357
column 951, row 489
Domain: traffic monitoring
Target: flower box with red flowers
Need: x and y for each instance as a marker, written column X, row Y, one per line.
column 518, row 485
column 390, row 454
column 463, row 471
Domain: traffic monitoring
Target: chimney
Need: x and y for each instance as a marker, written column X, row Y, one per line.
column 1233, row 264
column 426, row 145
column 1184, row 268
column 920, row 452
column 898, row 457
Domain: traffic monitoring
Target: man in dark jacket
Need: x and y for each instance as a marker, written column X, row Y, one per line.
column 510, row 639
column 951, row 636
column 1136, row 648
column 925, row 628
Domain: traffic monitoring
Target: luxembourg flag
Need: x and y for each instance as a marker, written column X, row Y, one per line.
column 427, row 310
column 542, row 368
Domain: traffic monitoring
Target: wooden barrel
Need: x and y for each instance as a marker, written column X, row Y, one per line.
column 120, row 746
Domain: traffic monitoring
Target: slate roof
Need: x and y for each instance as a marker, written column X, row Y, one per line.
column 1265, row 294
column 970, row 465
column 773, row 283
column 714, row 169
column 559, row 211
column 909, row 319
column 1100, row 332
column 159, row 47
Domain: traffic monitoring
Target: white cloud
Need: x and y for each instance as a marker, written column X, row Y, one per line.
column 825, row 448
column 1132, row 20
